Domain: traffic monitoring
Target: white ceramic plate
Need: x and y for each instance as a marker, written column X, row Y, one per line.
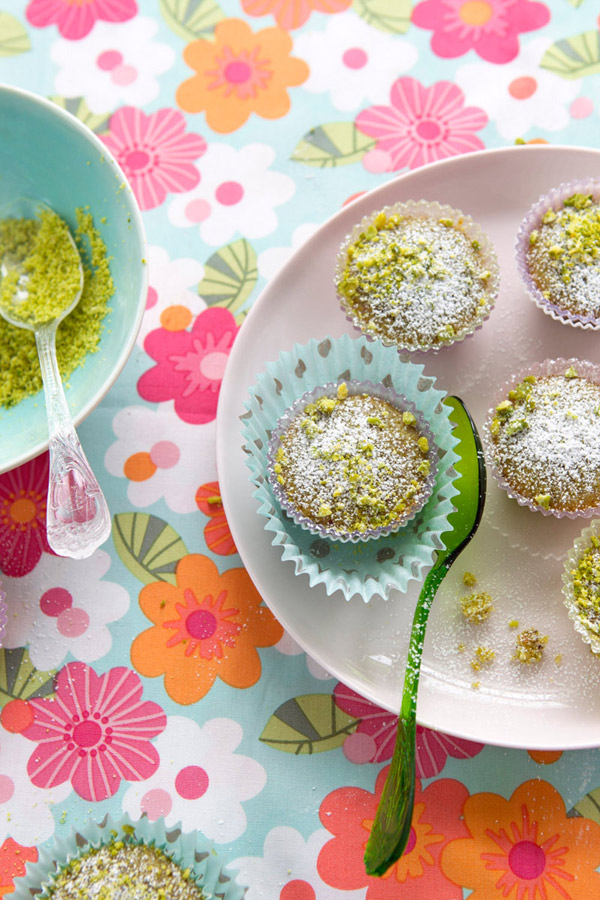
column 517, row 555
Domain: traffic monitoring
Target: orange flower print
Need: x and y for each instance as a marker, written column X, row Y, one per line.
column 293, row 13
column 240, row 73
column 207, row 626
column 525, row 848
column 13, row 859
column 217, row 533
column 348, row 814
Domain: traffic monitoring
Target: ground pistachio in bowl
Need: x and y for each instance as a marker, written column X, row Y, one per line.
column 41, row 268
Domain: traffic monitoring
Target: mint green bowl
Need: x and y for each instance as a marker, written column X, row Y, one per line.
column 48, row 154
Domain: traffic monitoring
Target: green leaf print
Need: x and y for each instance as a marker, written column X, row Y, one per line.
column 574, row 57
column 309, row 724
column 335, row 144
column 13, row 36
column 229, row 276
column 79, row 108
column 19, row 678
column 391, row 17
column 588, row 806
column 148, row 546
column 191, row 19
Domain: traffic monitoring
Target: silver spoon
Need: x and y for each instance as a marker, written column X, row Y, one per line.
column 77, row 517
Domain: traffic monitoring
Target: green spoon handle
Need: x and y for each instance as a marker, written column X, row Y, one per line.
column 391, row 828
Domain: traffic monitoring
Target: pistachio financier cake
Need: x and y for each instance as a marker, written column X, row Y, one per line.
column 352, row 461
column 123, row 871
column 544, row 438
column 558, row 254
column 417, row 275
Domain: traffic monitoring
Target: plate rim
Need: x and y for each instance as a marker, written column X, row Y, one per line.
column 228, row 388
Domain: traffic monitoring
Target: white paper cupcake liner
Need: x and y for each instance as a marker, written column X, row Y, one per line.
column 188, row 849
column 379, row 566
column 588, row 631
column 554, row 199
column 329, row 390
column 541, row 369
column 433, row 210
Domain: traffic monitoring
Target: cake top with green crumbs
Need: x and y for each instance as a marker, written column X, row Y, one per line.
column 586, row 585
column 416, row 281
column 564, row 255
column 353, row 462
column 546, row 439
column 124, row 871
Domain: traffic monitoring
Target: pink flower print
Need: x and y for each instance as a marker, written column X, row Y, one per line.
column 190, row 365
column 154, row 152
column 23, row 517
column 373, row 741
column 76, row 19
column 95, row 732
column 420, row 126
column 489, row 27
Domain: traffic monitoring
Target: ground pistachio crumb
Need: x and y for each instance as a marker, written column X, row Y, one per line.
column 475, row 685
column 78, row 334
column 484, row 656
column 514, row 623
column 476, row 608
column 530, row 646
column 469, row 579
column 124, row 871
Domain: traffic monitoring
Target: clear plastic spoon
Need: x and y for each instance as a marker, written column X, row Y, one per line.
column 77, row 517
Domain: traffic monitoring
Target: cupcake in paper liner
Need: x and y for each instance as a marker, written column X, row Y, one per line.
column 417, row 275
column 377, row 566
column 542, row 438
column 558, row 253
column 581, row 585
column 145, row 856
column 352, row 461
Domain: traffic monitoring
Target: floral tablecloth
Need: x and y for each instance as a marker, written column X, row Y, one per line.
column 218, row 112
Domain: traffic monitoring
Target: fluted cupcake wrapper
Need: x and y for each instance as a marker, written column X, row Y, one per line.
column 190, row 850
column 378, row 566
column 588, row 631
column 554, row 200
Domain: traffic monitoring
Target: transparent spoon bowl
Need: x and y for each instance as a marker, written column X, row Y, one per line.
column 77, row 516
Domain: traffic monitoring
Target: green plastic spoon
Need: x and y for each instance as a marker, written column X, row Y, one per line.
column 392, row 824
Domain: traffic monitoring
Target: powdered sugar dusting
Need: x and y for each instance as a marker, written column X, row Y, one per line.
column 547, row 443
column 354, row 463
column 417, row 280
